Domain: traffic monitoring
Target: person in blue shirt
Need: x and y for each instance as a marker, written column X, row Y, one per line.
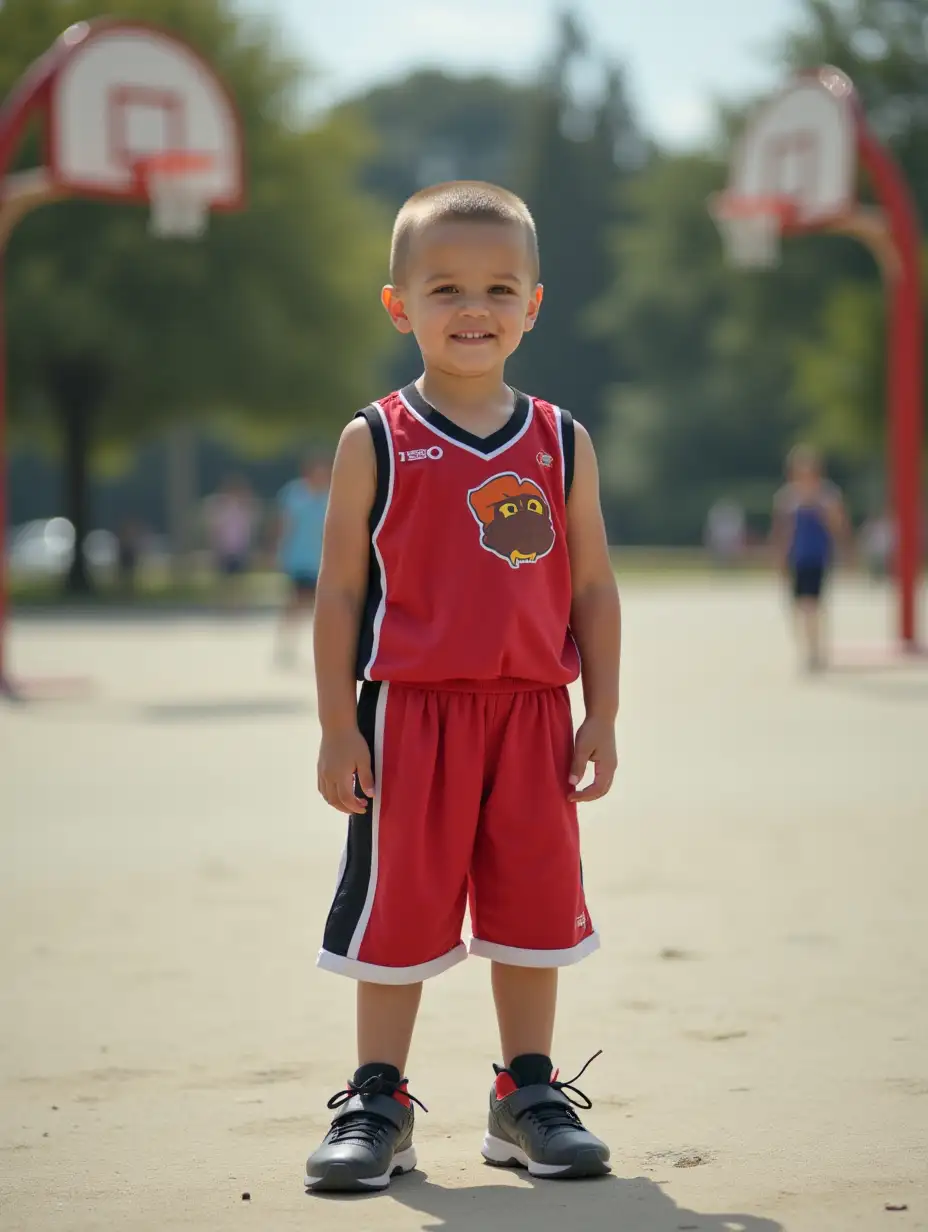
column 809, row 520
column 301, row 505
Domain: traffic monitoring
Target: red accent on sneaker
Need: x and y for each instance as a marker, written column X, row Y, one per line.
column 505, row 1085
column 554, row 1075
column 400, row 1094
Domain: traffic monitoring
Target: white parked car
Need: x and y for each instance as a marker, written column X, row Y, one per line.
column 45, row 548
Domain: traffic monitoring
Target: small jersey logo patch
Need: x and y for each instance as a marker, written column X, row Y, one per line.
column 544, row 459
column 514, row 519
column 432, row 454
column 581, row 921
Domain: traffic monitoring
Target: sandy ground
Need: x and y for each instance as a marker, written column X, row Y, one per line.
column 758, row 875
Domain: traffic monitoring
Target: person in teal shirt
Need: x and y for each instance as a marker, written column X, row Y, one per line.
column 301, row 505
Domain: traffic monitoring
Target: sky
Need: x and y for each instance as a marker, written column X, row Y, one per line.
column 680, row 55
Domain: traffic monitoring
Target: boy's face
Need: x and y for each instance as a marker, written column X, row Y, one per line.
column 468, row 295
column 805, row 472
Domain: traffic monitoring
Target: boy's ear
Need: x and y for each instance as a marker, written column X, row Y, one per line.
column 534, row 304
column 390, row 299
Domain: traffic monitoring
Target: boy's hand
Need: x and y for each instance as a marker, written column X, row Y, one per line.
column 342, row 756
column 595, row 743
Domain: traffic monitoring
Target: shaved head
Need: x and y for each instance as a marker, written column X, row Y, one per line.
column 458, row 201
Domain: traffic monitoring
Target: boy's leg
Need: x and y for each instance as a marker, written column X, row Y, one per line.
column 808, row 586
column 396, row 918
column 530, row 918
column 526, row 1002
column 810, row 619
column 285, row 646
column 386, row 1019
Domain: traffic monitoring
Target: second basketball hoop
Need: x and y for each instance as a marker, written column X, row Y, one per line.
column 794, row 168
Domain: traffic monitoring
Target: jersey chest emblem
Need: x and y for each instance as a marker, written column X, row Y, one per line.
column 514, row 519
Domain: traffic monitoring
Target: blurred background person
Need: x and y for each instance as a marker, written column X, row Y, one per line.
column 232, row 519
column 301, row 506
column 725, row 532
column 129, row 547
column 877, row 539
column 809, row 522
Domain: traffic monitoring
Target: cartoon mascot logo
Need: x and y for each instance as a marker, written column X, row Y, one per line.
column 514, row 517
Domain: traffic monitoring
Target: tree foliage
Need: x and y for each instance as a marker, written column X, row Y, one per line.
column 273, row 317
column 252, row 318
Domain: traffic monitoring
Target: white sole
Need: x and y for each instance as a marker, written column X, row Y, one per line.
column 403, row 1161
column 507, row 1154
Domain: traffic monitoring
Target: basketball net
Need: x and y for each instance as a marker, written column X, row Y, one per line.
column 751, row 228
column 177, row 186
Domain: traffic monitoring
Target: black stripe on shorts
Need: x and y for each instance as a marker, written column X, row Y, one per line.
column 351, row 895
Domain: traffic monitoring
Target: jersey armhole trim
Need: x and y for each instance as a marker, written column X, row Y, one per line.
column 568, row 448
column 382, row 460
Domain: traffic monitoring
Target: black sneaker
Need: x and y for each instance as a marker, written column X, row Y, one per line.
column 532, row 1124
column 370, row 1139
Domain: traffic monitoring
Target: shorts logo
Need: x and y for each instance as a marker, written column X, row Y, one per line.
column 514, row 518
column 544, row 459
column 432, row 454
column 581, row 921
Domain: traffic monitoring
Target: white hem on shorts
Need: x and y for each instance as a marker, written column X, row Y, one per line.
column 370, row 973
column 535, row 958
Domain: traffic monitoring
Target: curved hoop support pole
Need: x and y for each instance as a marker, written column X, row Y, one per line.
column 21, row 193
column 868, row 224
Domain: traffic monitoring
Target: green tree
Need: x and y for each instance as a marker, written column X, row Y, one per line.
column 580, row 155
column 705, row 409
column 272, row 318
column 726, row 368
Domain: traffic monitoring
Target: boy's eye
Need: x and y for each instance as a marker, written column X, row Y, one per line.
column 447, row 289
column 502, row 290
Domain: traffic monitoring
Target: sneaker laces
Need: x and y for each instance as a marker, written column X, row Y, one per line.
column 553, row 1116
column 365, row 1125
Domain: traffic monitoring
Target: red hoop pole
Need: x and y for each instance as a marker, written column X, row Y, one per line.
column 905, row 383
column 14, row 116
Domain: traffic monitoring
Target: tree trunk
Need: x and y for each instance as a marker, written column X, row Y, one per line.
column 77, row 388
column 182, row 496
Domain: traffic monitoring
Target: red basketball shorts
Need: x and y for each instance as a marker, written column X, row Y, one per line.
column 470, row 804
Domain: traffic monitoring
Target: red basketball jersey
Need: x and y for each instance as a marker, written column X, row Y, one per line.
column 469, row 570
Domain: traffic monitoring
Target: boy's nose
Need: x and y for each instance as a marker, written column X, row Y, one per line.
column 474, row 308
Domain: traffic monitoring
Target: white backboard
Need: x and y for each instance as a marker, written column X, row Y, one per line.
column 128, row 91
column 801, row 145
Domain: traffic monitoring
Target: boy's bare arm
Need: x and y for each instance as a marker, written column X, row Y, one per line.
column 841, row 526
column 595, row 620
column 340, row 598
column 779, row 533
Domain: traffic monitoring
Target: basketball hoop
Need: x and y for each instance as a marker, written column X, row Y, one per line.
column 751, row 227
column 177, row 184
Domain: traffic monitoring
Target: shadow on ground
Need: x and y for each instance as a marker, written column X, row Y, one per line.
column 609, row 1204
column 226, row 708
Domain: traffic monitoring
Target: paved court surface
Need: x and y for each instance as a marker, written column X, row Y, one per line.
column 758, row 876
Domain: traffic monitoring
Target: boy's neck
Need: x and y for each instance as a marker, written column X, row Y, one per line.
column 465, row 394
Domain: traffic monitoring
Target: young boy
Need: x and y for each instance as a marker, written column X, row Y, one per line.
column 808, row 516
column 465, row 578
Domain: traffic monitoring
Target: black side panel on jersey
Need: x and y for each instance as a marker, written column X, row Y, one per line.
column 351, row 893
column 374, row 581
column 567, row 445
